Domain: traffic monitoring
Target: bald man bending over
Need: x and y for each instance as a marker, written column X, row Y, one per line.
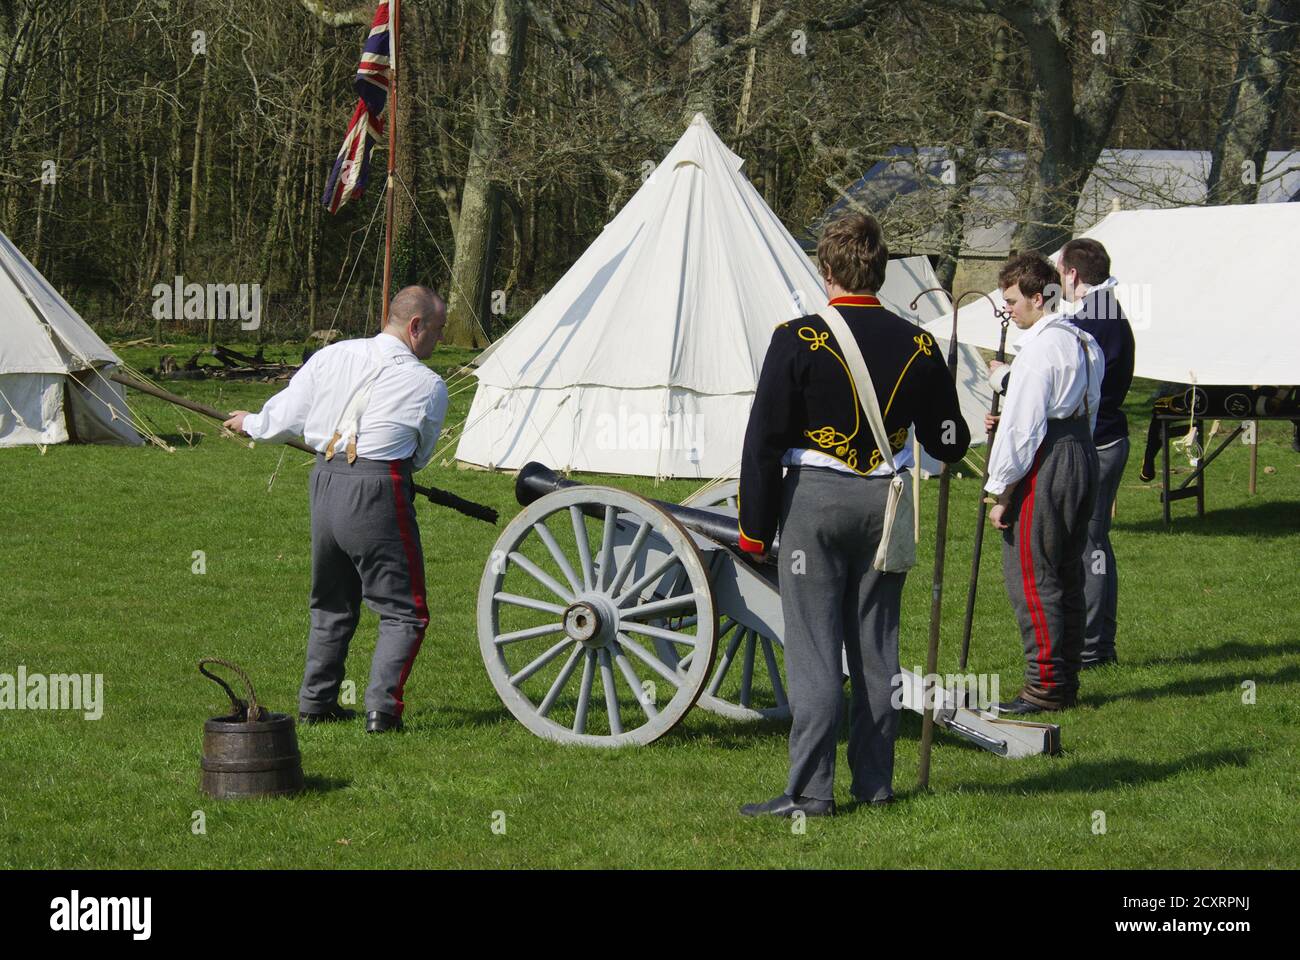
column 373, row 413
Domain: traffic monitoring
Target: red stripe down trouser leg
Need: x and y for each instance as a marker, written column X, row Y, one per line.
column 365, row 548
column 1042, row 561
column 405, row 516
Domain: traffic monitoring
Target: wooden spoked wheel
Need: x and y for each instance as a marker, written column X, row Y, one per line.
column 596, row 618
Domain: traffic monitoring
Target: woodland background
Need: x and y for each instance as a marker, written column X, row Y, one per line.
column 524, row 125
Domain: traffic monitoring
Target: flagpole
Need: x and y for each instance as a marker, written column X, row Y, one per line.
column 394, row 12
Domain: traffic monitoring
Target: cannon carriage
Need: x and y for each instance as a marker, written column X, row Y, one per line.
column 604, row 617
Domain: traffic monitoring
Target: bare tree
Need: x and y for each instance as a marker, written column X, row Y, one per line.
column 1246, row 130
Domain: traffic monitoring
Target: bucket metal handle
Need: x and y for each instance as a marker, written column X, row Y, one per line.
column 249, row 709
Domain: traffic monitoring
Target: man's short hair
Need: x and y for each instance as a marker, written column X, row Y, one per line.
column 1089, row 258
column 1032, row 273
column 410, row 301
column 853, row 249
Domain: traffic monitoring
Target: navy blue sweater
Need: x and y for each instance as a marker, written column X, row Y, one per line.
column 1103, row 317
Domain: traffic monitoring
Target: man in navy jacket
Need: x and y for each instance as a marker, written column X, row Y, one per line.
column 1085, row 276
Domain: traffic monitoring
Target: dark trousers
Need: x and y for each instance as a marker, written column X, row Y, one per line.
column 1042, row 559
column 365, row 547
column 835, row 603
column 1101, row 583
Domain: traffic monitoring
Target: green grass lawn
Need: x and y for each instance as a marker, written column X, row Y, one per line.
column 96, row 563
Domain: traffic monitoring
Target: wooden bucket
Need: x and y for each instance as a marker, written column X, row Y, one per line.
column 252, row 752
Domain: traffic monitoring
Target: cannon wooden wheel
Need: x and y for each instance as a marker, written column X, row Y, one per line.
column 748, row 679
column 572, row 618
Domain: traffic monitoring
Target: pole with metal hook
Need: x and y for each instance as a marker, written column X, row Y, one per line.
column 929, row 699
column 981, row 517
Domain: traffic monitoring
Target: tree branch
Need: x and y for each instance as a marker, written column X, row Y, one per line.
column 337, row 18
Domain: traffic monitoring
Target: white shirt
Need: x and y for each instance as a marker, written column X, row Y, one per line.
column 1049, row 384
column 802, row 457
column 402, row 419
column 1070, row 308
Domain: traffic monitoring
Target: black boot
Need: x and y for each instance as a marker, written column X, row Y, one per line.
column 787, row 806
column 380, row 722
column 334, row 714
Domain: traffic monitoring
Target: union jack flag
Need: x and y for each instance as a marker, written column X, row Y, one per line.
column 352, row 168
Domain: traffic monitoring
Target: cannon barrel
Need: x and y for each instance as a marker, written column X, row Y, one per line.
column 536, row 480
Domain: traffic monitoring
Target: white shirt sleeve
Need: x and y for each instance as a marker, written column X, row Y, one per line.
column 1021, row 429
column 435, row 414
column 284, row 416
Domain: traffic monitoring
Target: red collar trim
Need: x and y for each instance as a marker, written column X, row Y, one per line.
column 855, row 300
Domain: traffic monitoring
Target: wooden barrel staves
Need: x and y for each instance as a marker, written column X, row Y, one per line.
column 251, row 752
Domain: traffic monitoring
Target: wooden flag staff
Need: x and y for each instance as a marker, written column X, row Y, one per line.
column 394, row 18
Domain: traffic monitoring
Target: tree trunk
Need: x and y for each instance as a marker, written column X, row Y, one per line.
column 966, row 165
column 314, row 190
column 193, row 227
column 751, row 66
column 1074, row 128
column 479, row 203
column 1246, row 130
column 701, row 96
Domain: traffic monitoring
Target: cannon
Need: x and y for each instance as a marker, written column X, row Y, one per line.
column 604, row 617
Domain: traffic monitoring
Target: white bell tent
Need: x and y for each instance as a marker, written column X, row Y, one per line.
column 644, row 357
column 1207, row 291
column 54, row 369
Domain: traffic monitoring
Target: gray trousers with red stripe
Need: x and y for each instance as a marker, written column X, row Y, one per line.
column 1042, row 559
column 365, row 546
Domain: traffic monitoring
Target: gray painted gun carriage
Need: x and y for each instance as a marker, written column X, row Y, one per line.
column 604, row 617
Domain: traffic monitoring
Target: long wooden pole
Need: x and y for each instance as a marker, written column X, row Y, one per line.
column 929, row 697
column 968, row 623
column 394, row 18
column 435, row 495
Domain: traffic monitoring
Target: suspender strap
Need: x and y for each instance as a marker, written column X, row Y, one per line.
column 349, row 421
column 1087, row 373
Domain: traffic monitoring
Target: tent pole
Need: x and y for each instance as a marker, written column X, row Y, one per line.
column 1254, row 457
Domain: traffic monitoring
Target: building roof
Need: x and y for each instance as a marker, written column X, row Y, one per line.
column 907, row 192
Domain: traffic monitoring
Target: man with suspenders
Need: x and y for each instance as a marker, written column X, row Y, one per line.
column 373, row 411
column 1044, row 472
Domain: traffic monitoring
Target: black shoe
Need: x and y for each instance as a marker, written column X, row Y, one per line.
column 1147, row 474
column 882, row 802
column 1020, row 706
column 379, row 722
column 1110, row 661
column 334, row 714
column 788, row 806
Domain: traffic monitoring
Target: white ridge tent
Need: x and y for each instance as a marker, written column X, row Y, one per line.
column 1206, row 289
column 643, row 358
column 54, row 369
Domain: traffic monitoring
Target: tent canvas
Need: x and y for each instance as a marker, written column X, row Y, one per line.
column 54, row 369
column 906, row 279
column 1206, row 289
column 643, row 358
